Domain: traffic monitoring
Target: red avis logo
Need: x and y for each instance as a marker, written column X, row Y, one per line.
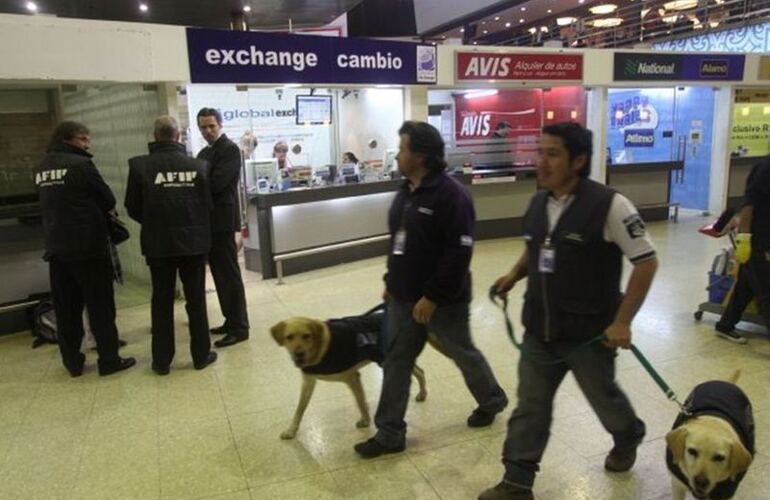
column 488, row 67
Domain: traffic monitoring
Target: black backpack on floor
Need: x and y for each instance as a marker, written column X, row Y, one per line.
column 44, row 324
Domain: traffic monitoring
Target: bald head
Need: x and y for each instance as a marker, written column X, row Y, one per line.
column 166, row 129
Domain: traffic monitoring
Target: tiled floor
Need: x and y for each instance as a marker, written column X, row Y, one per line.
column 214, row 434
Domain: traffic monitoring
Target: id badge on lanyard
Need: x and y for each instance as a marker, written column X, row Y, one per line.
column 547, row 259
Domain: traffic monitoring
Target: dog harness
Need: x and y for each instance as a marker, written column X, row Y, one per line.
column 353, row 339
column 728, row 402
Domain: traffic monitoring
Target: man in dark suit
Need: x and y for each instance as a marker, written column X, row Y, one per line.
column 168, row 194
column 224, row 156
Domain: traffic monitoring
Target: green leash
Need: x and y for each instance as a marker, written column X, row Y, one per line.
column 670, row 394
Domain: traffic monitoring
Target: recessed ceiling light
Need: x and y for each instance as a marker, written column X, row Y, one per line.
column 475, row 43
column 143, row 7
column 521, row 21
column 607, row 8
column 32, row 6
column 497, row 18
column 462, row 30
column 565, row 21
column 247, row 8
column 507, row 25
column 581, row 1
column 523, row 9
column 486, row 31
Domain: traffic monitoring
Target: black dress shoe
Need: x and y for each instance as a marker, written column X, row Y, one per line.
column 160, row 370
column 231, row 339
column 119, row 366
column 76, row 370
column 219, row 330
column 484, row 418
column 372, row 449
column 209, row 359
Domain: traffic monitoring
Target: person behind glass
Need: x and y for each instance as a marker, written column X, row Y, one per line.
column 576, row 232
column 75, row 203
column 428, row 287
column 350, row 168
column 224, row 158
column 752, row 253
column 280, row 153
column 168, row 193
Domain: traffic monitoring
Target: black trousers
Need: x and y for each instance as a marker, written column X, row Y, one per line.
column 75, row 284
column 223, row 260
column 753, row 283
column 192, row 272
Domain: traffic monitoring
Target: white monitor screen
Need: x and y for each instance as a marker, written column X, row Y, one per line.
column 314, row 109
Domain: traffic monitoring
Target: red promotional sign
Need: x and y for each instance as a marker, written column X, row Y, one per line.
column 472, row 66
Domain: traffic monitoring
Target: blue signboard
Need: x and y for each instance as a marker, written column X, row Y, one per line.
column 636, row 66
column 252, row 57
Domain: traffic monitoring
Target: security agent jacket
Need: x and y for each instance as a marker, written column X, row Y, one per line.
column 353, row 340
column 74, row 201
column 168, row 193
column 724, row 400
column 224, row 156
column 758, row 196
column 579, row 300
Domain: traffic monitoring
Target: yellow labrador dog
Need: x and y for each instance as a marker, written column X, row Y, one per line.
column 333, row 350
column 709, row 451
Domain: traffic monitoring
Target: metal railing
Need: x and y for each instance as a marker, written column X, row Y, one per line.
column 644, row 22
column 279, row 258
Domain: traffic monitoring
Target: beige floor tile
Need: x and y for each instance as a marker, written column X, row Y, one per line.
column 394, row 478
column 199, row 458
column 316, row 487
column 119, row 465
column 459, row 471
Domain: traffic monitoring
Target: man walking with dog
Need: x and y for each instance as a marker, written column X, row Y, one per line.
column 428, row 287
column 577, row 232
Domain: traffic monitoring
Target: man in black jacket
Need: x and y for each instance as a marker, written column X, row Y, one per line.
column 168, row 194
column 75, row 204
column 428, row 287
column 577, row 232
column 224, row 156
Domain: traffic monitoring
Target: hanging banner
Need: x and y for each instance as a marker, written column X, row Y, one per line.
column 251, row 57
column 473, row 66
column 634, row 66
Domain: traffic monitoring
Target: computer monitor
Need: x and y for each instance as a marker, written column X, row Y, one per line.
column 261, row 175
column 314, row 109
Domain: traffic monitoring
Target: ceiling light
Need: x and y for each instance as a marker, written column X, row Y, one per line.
column 521, row 21
column 565, row 21
column 581, row 1
column 550, row 11
column 462, row 30
column 680, row 5
column 143, row 7
column 713, row 24
column 497, row 18
column 606, row 8
column 486, row 31
column 507, row 25
column 608, row 22
column 532, row 30
column 544, row 29
column 524, row 9
column 247, row 8
column 32, row 6
column 475, row 94
column 475, row 43
column 670, row 19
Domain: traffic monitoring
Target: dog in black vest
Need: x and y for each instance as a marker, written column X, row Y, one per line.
column 711, row 447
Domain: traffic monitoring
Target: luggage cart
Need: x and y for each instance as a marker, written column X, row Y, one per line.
column 725, row 226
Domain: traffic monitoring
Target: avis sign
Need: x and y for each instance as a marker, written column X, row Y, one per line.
column 474, row 66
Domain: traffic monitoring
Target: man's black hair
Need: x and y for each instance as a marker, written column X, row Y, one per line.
column 210, row 112
column 577, row 140
column 426, row 140
column 66, row 131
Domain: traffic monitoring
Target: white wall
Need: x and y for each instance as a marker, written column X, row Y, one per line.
column 50, row 48
column 375, row 114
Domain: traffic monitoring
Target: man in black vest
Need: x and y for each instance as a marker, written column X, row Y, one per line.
column 224, row 156
column 576, row 232
column 753, row 253
column 75, row 203
column 168, row 194
column 428, row 287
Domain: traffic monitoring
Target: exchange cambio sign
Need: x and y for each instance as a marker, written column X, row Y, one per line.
column 474, row 66
column 251, row 57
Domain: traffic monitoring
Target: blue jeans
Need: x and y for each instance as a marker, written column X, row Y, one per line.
column 530, row 424
column 406, row 339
